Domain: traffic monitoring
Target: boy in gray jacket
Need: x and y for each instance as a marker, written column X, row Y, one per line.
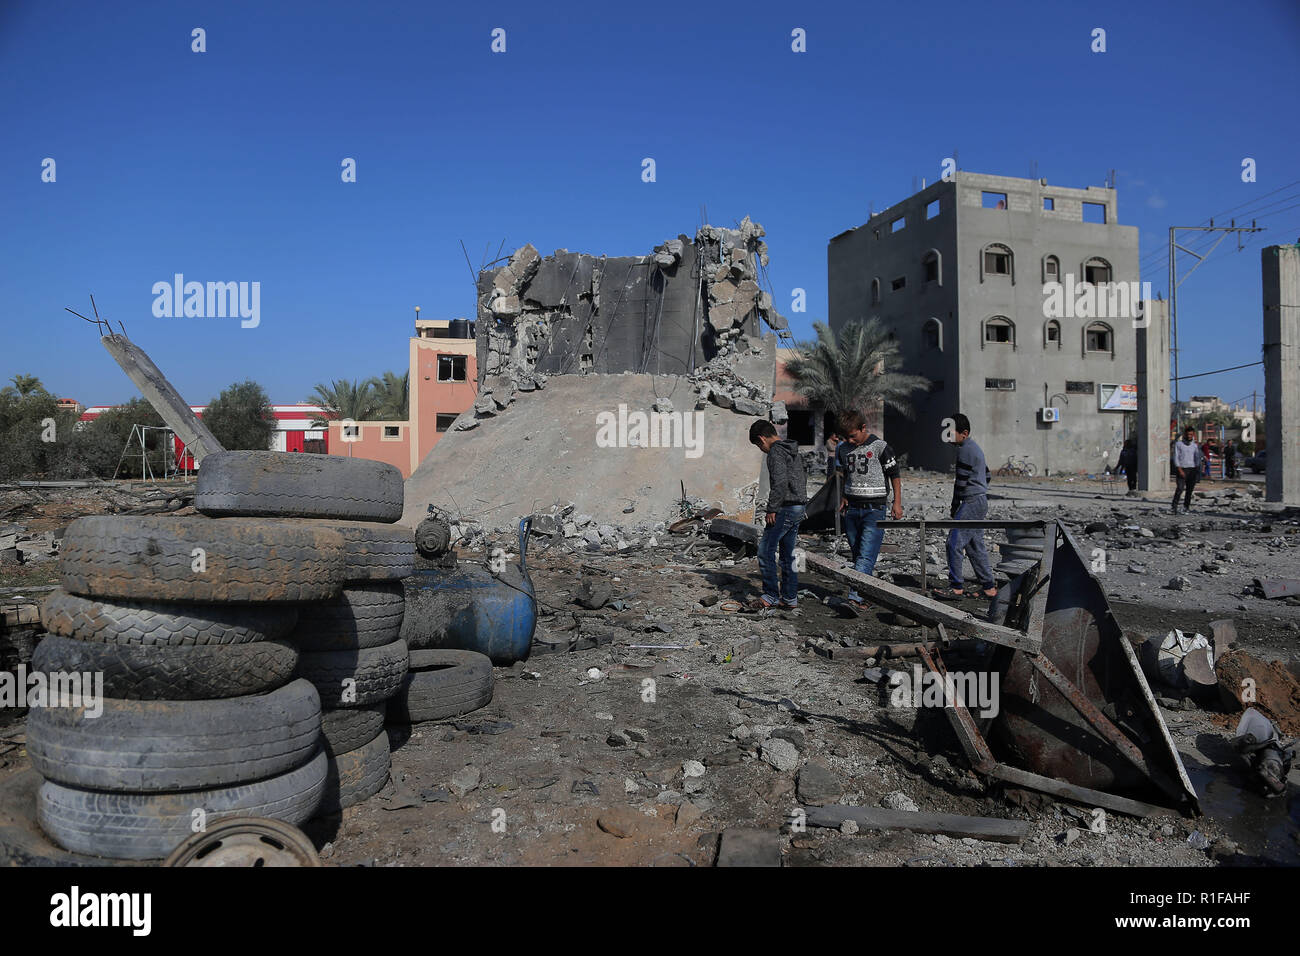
column 969, row 503
column 786, row 498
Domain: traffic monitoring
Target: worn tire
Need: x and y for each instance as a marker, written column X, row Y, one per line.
column 148, row 746
column 372, row 551
column 442, row 684
column 159, row 624
column 247, row 559
column 285, row 485
column 363, row 615
column 356, row 775
column 378, row 672
column 173, row 673
column 140, row 826
column 344, row 729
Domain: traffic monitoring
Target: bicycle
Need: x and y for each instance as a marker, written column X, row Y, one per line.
column 1017, row 466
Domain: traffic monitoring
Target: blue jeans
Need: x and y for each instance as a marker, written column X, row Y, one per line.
column 781, row 536
column 862, row 528
column 969, row 542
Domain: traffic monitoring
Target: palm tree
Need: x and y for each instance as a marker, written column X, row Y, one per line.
column 26, row 384
column 391, row 394
column 848, row 371
column 344, row 399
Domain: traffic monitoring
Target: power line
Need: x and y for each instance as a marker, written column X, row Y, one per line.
column 1234, row 368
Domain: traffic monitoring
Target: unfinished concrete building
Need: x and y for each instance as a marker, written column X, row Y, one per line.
column 1004, row 292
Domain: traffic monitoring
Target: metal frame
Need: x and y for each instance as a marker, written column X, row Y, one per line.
column 1030, row 600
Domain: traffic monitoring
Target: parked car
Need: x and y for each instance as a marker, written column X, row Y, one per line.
column 1256, row 463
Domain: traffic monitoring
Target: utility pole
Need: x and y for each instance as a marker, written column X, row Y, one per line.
column 1174, row 282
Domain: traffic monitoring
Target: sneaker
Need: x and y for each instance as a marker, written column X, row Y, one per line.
column 787, row 605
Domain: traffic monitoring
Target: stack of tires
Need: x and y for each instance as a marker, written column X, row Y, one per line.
column 201, row 715
column 349, row 648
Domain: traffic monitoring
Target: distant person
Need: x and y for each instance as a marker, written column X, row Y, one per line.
column 1128, row 463
column 1205, row 459
column 869, row 469
column 832, row 443
column 1230, row 459
column 786, row 499
column 1187, row 468
column 969, row 503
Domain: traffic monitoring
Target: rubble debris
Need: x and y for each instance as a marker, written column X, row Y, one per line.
column 1246, row 682
column 947, row 824
column 1270, row 762
column 1272, row 588
column 740, row 846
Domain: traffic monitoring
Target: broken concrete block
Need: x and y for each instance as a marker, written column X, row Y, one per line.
column 781, row 754
column 748, row 847
column 747, row 406
column 505, row 305
column 544, row 524
column 778, row 413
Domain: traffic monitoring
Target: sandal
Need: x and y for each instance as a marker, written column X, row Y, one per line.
column 947, row 594
column 759, row 604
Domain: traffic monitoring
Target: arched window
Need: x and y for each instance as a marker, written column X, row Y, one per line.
column 1052, row 335
column 998, row 260
column 1096, row 270
column 998, row 330
column 1051, row 269
column 875, row 292
column 932, row 335
column 1098, row 337
column 932, row 266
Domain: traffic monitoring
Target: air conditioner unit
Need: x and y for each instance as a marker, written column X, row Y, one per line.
column 1051, row 414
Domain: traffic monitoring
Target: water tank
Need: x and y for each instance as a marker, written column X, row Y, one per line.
column 460, row 328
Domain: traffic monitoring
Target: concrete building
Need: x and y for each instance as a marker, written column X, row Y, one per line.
column 443, row 370
column 1011, row 296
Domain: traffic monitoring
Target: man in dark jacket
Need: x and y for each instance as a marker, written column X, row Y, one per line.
column 786, row 498
column 1128, row 463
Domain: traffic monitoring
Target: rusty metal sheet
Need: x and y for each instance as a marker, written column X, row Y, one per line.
column 1048, row 733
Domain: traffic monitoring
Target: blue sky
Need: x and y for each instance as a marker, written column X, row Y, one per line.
column 225, row 165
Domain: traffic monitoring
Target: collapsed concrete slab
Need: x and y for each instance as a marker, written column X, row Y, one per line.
column 594, row 441
column 162, row 395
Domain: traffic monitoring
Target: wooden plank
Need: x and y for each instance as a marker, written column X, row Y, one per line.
column 921, row 608
column 1084, row 795
column 950, row 824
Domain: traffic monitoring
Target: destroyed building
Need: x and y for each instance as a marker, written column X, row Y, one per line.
column 684, row 330
column 664, row 313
